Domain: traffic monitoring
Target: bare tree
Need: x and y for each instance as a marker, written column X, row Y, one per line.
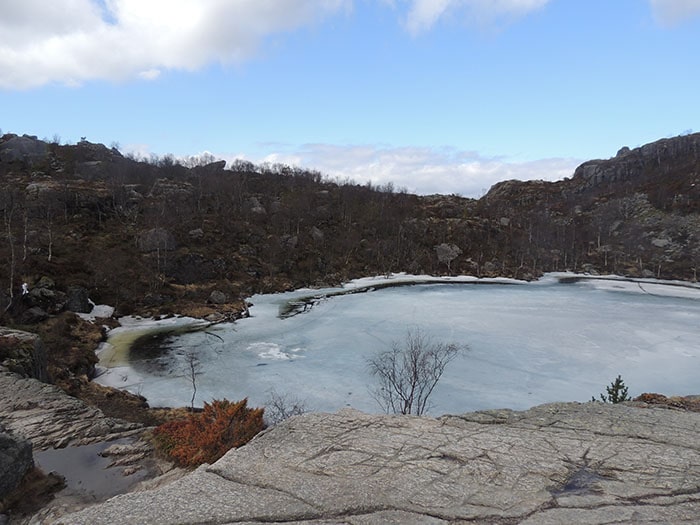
column 446, row 253
column 279, row 407
column 408, row 373
column 192, row 368
column 8, row 212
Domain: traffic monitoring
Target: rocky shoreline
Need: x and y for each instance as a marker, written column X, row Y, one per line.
column 101, row 421
column 554, row 463
column 94, row 455
column 559, row 463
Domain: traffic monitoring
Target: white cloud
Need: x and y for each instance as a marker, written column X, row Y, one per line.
column 72, row 41
column 672, row 12
column 420, row 170
column 149, row 74
column 423, row 14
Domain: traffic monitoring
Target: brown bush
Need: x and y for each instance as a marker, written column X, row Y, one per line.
column 206, row 436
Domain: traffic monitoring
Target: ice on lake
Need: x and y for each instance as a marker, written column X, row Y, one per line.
column 527, row 344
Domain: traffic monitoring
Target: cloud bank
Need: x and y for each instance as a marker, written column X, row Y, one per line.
column 418, row 169
column 73, row 41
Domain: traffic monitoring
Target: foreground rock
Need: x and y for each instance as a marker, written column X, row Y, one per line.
column 558, row 463
column 91, row 457
column 15, row 460
column 47, row 417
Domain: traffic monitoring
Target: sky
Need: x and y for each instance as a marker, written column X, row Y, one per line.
column 435, row 96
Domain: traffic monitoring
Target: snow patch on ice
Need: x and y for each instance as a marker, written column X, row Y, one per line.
column 273, row 351
column 98, row 310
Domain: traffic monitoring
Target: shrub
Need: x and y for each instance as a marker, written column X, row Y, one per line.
column 408, row 373
column 279, row 407
column 206, row 436
column 616, row 392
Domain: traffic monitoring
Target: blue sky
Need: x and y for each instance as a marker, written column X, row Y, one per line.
column 445, row 96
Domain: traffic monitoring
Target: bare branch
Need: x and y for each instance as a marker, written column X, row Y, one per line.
column 408, row 373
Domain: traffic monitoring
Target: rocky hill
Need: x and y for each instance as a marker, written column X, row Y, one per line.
column 157, row 236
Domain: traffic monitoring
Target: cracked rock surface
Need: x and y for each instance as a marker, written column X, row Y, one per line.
column 558, row 463
column 49, row 418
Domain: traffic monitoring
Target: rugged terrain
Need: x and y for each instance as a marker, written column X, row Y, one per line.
column 82, row 224
column 561, row 463
column 158, row 237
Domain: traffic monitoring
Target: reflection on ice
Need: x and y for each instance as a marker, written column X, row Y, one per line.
column 528, row 344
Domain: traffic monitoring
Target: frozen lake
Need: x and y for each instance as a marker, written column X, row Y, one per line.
column 528, row 343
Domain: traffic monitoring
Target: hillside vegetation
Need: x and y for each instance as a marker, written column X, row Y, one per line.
column 158, row 237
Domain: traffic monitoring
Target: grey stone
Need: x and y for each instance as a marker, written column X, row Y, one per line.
column 660, row 242
column 15, row 460
column 26, row 147
column 490, row 267
column 256, row 207
column 317, row 234
column 624, row 150
column 78, row 300
column 197, row 233
column 23, row 353
column 217, row 297
column 172, row 190
column 557, row 463
column 34, row 315
column 49, row 418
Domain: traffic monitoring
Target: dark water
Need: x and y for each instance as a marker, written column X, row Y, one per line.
column 86, row 471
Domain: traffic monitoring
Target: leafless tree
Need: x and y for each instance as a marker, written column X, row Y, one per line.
column 446, row 253
column 409, row 371
column 279, row 407
column 8, row 212
column 192, row 368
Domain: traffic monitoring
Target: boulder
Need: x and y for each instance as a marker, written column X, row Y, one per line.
column 78, row 300
column 217, row 297
column 256, row 207
column 316, row 234
column 23, row 353
column 15, row 460
column 197, row 233
column 559, row 463
column 34, row 315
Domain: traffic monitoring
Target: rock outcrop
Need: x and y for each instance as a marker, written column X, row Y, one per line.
column 659, row 155
column 557, row 463
column 23, row 353
column 15, row 460
column 99, row 456
column 25, row 148
column 49, row 418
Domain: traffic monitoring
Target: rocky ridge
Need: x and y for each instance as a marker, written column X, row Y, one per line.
column 244, row 229
column 559, row 463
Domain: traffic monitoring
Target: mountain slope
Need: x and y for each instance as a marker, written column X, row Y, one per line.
column 158, row 237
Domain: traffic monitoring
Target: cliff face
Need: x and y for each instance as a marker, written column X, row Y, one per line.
column 655, row 160
column 158, row 237
column 634, row 214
